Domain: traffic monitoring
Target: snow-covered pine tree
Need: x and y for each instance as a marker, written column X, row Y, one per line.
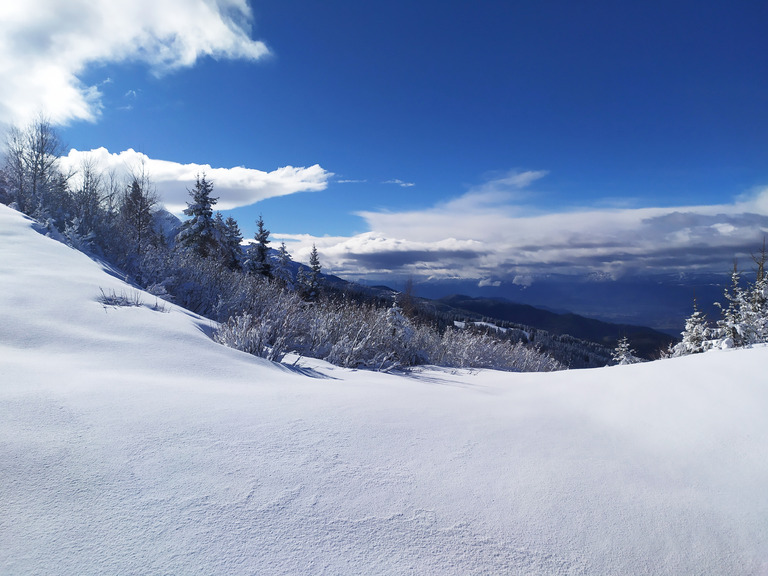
column 730, row 326
column 623, row 353
column 402, row 334
column 696, row 336
column 757, row 299
column 200, row 234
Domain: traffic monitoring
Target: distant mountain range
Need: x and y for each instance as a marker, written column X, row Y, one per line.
column 647, row 342
column 662, row 302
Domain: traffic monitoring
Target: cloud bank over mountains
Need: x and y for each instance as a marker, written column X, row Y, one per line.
column 490, row 235
column 47, row 45
column 235, row 187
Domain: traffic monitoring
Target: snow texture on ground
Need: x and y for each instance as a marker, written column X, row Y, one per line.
column 130, row 443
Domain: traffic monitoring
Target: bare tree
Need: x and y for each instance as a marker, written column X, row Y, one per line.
column 32, row 166
column 89, row 196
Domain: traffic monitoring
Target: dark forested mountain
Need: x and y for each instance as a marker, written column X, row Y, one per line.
column 646, row 341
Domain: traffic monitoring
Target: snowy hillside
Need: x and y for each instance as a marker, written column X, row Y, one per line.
column 131, row 443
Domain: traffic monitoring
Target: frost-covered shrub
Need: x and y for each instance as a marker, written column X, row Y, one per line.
column 77, row 237
column 354, row 335
column 357, row 336
column 273, row 326
column 467, row 349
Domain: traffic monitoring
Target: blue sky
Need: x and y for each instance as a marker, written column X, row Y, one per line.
column 491, row 140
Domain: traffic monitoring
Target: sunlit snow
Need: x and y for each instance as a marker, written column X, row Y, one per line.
column 131, row 443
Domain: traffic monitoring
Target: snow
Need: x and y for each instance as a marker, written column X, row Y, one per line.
column 131, row 443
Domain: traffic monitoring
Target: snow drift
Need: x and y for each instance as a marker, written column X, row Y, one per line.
column 131, row 443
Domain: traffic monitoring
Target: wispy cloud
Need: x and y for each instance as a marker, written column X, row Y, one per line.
column 400, row 183
column 235, row 187
column 46, row 45
column 349, row 181
column 484, row 235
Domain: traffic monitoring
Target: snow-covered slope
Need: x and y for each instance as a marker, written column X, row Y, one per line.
column 130, row 443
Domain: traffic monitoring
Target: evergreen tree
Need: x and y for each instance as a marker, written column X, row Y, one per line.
column 402, row 335
column 136, row 213
column 744, row 317
column 233, row 239
column 257, row 256
column 199, row 233
column 623, row 353
column 730, row 326
column 696, row 334
column 281, row 267
column 758, row 300
column 309, row 281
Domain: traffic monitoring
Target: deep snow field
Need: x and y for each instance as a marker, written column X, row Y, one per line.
column 131, row 443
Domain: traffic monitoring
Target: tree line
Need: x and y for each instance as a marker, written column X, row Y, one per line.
column 265, row 304
column 743, row 315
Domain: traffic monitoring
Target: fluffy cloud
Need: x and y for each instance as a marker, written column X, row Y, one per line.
column 46, row 45
column 487, row 235
column 235, row 187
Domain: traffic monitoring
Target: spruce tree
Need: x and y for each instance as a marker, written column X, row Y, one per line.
column 623, row 353
column 135, row 210
column 257, row 258
column 696, row 334
column 309, row 280
column 730, row 325
column 281, row 268
column 233, row 239
column 199, row 233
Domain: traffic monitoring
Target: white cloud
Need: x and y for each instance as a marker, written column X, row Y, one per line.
column 525, row 281
column 400, row 183
column 235, row 187
column 46, row 45
column 484, row 234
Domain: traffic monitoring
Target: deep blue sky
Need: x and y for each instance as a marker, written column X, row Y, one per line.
column 658, row 102
column 621, row 104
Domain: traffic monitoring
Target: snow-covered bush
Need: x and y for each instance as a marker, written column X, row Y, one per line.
column 77, row 237
column 358, row 336
column 352, row 335
column 462, row 348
